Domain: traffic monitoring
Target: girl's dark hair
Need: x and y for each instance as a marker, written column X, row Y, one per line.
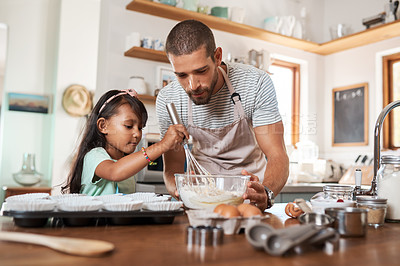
column 93, row 138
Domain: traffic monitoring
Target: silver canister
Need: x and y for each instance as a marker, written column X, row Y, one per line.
column 204, row 235
column 349, row 221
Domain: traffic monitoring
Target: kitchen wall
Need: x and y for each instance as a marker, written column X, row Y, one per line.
column 359, row 65
column 30, row 68
column 52, row 44
column 349, row 12
column 77, row 64
column 55, row 43
column 3, row 55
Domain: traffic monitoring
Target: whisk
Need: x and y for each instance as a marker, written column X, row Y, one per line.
column 193, row 167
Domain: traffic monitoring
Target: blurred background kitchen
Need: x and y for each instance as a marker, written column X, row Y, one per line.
column 46, row 46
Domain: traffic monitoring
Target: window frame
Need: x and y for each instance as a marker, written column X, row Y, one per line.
column 387, row 67
column 295, row 118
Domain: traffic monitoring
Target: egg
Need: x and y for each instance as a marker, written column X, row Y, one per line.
column 219, row 208
column 251, row 211
column 243, row 207
column 230, row 211
column 248, row 210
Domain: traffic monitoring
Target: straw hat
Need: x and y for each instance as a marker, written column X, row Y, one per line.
column 77, row 100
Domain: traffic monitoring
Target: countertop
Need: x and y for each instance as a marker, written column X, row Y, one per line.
column 165, row 245
column 303, row 187
column 310, row 187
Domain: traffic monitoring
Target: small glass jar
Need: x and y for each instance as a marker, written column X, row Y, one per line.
column 337, row 192
column 376, row 207
column 388, row 185
column 28, row 176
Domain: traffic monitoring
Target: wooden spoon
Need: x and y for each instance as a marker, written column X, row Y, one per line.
column 73, row 246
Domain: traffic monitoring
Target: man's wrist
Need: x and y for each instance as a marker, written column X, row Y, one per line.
column 271, row 197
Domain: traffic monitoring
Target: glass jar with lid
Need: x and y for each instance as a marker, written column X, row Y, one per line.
column 338, row 192
column 376, row 209
column 388, row 185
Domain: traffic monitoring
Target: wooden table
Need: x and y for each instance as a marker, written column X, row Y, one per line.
column 165, row 245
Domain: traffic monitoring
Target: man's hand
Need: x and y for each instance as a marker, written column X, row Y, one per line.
column 255, row 192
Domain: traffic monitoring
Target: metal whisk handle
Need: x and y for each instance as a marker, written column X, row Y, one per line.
column 173, row 114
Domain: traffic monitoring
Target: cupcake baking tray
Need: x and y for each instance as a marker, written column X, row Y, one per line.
column 91, row 218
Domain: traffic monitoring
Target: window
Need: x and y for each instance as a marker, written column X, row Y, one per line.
column 286, row 78
column 391, row 92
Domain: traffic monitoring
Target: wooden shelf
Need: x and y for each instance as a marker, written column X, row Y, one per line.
column 372, row 35
column 147, row 98
column 149, row 54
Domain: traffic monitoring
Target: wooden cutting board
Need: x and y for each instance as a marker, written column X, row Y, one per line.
column 349, row 177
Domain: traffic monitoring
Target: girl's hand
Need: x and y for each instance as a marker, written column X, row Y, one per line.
column 174, row 137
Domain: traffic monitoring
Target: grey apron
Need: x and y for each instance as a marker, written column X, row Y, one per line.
column 229, row 149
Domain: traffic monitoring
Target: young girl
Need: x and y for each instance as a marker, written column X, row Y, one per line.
column 106, row 152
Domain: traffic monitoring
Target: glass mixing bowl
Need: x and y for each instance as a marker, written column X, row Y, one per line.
column 207, row 191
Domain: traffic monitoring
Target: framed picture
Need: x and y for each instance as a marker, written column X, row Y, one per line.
column 164, row 76
column 350, row 115
column 29, row 103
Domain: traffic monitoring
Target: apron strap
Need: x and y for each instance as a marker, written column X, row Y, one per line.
column 235, row 97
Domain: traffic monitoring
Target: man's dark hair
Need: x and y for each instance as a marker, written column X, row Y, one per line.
column 188, row 36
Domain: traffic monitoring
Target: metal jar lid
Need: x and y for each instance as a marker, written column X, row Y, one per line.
column 371, row 200
column 337, row 188
column 390, row 159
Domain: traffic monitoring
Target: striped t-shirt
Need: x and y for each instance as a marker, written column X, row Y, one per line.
column 254, row 86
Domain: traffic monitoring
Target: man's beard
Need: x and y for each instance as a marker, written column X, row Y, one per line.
column 208, row 91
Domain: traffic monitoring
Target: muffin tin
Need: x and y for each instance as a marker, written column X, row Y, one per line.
column 91, row 218
column 73, row 210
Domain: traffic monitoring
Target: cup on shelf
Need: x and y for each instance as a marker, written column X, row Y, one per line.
column 219, row 11
column 238, row 14
column 190, row 5
column 147, row 42
column 168, row 2
column 158, row 45
column 339, row 31
column 287, row 24
column 271, row 24
column 203, row 9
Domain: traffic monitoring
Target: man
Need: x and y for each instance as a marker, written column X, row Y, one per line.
column 234, row 121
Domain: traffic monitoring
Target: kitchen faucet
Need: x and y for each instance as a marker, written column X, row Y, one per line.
column 377, row 147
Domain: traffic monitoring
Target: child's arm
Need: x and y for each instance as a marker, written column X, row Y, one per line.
column 131, row 164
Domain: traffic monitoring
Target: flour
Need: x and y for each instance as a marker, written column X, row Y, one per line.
column 203, row 199
column 388, row 188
